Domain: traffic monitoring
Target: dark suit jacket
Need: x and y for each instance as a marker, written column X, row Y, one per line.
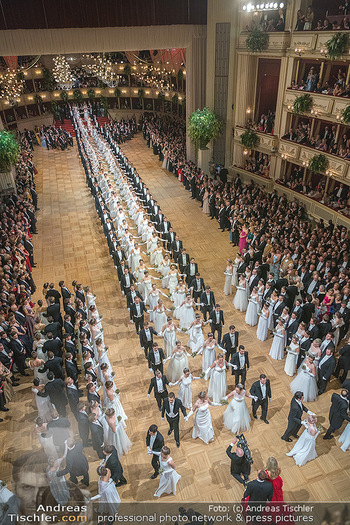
column 114, row 466
column 344, row 354
column 56, row 390
column 177, row 407
column 327, row 368
column 73, row 398
column 193, row 285
column 143, row 338
column 55, row 294
column 338, row 411
column 151, row 359
column 96, row 435
column 235, row 361
column 238, row 465
column 58, row 426
column 69, row 328
column 71, row 370
column 55, row 328
column 204, row 299
column 226, row 341
column 295, row 412
column 256, row 389
column 158, row 442
column 259, row 491
column 54, row 311
column 133, row 310
column 212, row 316
column 76, row 462
column 55, row 345
column 55, row 366
column 153, row 385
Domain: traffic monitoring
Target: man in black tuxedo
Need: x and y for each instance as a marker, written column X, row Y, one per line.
column 261, row 390
column 176, row 248
column 183, row 260
column 146, row 337
column 53, row 293
column 76, row 463
column 304, row 346
column 154, row 443
column 197, row 285
column 239, row 463
column 191, row 271
column 83, row 423
column 112, row 462
column 53, row 345
column 54, row 311
column 137, row 311
column 261, row 491
column 158, row 383
column 278, row 309
column 96, row 430
column 54, row 364
column 92, row 394
column 72, row 395
column 326, row 367
column 126, row 281
column 343, row 362
column 19, row 352
column 291, row 327
column 216, row 319
column 59, row 426
column 171, row 407
column 55, row 389
column 230, row 342
column 155, row 358
column 294, row 417
column 207, row 299
column 118, row 255
column 54, row 328
column 71, row 368
column 338, row 412
column 170, row 238
column 66, row 294
column 240, row 362
column 308, row 309
column 267, row 293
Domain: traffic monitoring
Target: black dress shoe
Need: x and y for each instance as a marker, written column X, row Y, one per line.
column 170, row 431
column 1, row 420
column 296, row 436
column 178, row 444
column 255, row 417
column 155, row 475
column 265, row 421
column 328, row 437
column 15, row 384
column 26, row 375
column 4, row 409
column 287, row 439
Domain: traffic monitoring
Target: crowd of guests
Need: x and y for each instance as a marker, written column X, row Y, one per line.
column 258, row 163
column 336, row 86
column 307, row 21
column 54, row 138
column 265, row 124
column 120, row 130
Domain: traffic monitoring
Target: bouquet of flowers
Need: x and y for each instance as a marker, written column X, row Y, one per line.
column 161, row 470
column 155, row 265
column 172, row 308
column 184, row 330
column 288, row 348
column 274, row 332
column 193, row 354
column 27, row 361
column 169, row 295
column 113, row 374
column 202, row 375
column 3, row 484
column 223, row 402
column 119, row 418
column 319, row 428
column 148, row 254
column 106, row 348
column 117, row 391
column 259, row 312
column 303, row 367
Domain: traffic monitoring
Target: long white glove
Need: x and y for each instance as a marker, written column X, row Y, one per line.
column 189, row 414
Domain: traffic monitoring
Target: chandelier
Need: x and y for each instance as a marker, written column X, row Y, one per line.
column 102, row 68
column 11, row 85
column 62, row 73
column 155, row 77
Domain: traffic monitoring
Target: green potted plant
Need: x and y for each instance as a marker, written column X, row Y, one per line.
column 203, row 126
column 257, row 41
column 77, row 95
column 318, row 163
column 117, row 92
column 345, row 115
column 303, row 104
column 64, row 96
column 54, row 109
column 38, row 99
column 9, row 151
column 91, row 94
column 337, row 45
column 249, row 139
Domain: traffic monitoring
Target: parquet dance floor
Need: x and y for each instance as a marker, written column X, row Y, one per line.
column 71, row 245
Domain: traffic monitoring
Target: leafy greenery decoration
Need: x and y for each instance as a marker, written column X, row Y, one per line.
column 337, row 45
column 49, row 80
column 203, row 126
column 104, row 103
column 127, row 69
column 64, row 96
column 346, row 115
column 77, row 95
column 117, row 92
column 249, row 139
column 175, row 99
column 141, row 93
column 91, row 94
column 318, row 163
column 38, row 99
column 161, row 97
column 302, row 104
column 9, row 150
column 257, row 41
column 54, row 109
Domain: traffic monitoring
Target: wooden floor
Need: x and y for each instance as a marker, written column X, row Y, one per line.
column 70, row 245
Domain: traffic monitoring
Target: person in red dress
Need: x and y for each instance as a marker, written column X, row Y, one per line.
column 273, row 475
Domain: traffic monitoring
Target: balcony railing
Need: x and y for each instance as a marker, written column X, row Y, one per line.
column 324, row 106
column 267, row 143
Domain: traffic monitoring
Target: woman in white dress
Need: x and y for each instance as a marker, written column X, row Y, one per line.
column 228, row 278
column 38, row 344
column 112, row 400
column 43, row 404
column 261, row 289
column 208, row 351
column 174, row 283
column 251, row 317
column 304, row 449
column 178, row 296
column 315, row 351
column 169, row 478
column 345, row 438
column 156, row 258
column 218, row 382
column 109, row 498
column 164, row 269
column 145, row 285
column 262, row 330
column 152, row 244
column 177, row 362
column 272, row 301
column 36, row 364
column 285, row 319
column 152, row 300
column 45, row 437
column 134, row 258
column 114, row 433
column 58, row 484
column 187, row 315
column 102, row 357
column 195, row 331
column 234, row 270
column 185, row 392
column 305, row 380
column 277, row 347
column 240, row 301
column 337, row 322
column 159, row 316
column 292, row 357
column 169, row 334
column 202, row 427
column 236, row 415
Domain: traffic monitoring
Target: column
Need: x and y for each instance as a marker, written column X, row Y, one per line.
column 247, row 68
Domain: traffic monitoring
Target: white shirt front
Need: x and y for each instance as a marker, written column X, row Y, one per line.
column 263, row 390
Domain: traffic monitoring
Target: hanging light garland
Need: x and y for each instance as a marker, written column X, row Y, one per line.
column 11, row 85
column 102, row 68
column 154, row 77
column 62, row 73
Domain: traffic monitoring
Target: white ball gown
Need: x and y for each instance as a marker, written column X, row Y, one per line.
column 172, row 284
column 277, row 347
column 118, row 407
column 185, row 392
column 240, row 301
column 271, row 319
column 169, row 340
column 228, row 281
column 203, row 428
column 345, row 438
column 187, row 315
column 152, row 300
column 110, row 499
column 217, row 383
column 44, row 406
column 304, row 449
column 168, row 480
column 118, row 438
column 178, row 298
column 236, row 415
column 157, row 257
column 291, row 359
column 196, row 339
column 159, row 319
column 261, row 332
column 305, row 382
column 251, row 317
column 208, row 357
column 177, row 363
